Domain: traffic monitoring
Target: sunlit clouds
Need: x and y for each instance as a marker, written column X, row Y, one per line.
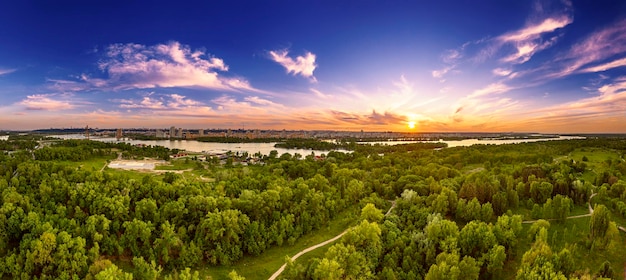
column 302, row 65
column 6, row 71
column 45, row 102
column 545, row 66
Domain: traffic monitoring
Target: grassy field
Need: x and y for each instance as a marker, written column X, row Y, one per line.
column 574, row 232
column 178, row 164
column 263, row 266
column 91, row 164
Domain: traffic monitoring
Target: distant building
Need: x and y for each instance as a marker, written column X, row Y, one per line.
column 160, row 134
column 172, row 132
column 201, row 132
column 118, row 134
column 179, row 133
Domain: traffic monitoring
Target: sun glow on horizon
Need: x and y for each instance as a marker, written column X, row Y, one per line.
column 411, row 125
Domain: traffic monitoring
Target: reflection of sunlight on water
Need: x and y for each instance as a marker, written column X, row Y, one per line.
column 266, row 148
column 469, row 142
column 195, row 146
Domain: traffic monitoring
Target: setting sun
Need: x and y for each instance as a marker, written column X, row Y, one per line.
column 411, row 124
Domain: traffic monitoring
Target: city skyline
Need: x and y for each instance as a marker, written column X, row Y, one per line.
column 445, row 66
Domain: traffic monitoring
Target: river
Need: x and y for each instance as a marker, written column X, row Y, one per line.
column 470, row 142
column 265, row 148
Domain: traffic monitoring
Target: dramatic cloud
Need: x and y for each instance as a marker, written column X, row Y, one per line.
column 602, row 112
column 164, row 65
column 597, row 47
column 45, row 102
column 302, row 65
column 528, row 41
column 535, row 30
column 369, row 119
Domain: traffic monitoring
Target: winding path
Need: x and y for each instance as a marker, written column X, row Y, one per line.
column 577, row 216
column 282, row 268
column 570, row 217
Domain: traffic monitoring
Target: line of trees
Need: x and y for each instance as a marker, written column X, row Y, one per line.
column 453, row 217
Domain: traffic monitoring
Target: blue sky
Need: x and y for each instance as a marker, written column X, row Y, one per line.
column 540, row 66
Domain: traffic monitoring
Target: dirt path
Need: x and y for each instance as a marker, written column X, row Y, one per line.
column 280, row 270
column 393, row 205
column 571, row 217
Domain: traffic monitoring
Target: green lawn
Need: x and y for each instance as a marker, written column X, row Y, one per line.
column 178, row 164
column 595, row 156
column 573, row 232
column 264, row 265
column 91, row 164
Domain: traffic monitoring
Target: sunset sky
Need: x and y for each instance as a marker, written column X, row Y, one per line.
column 523, row 66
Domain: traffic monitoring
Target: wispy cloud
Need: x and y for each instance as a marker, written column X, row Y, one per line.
column 145, row 103
column 528, row 40
column 502, row 72
column 302, row 65
column 249, row 105
column 606, row 66
column 374, row 118
column 6, row 71
column 495, row 88
column 596, row 48
column 534, row 31
column 439, row 74
column 320, row 94
column 171, row 103
column 45, row 102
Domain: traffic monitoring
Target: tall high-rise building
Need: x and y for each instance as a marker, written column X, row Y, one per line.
column 179, row 133
column 118, row 134
column 201, row 132
column 172, row 132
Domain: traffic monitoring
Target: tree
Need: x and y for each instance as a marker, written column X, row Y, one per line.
column 476, row 238
column 507, row 229
column 599, row 224
column 113, row 273
column 449, row 267
column 145, row 270
column 328, row 269
column 606, row 271
column 371, row 213
column 540, row 192
column 538, row 262
column 233, row 275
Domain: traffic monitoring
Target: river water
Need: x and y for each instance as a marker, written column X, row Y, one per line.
column 265, row 148
column 470, row 142
column 4, row 137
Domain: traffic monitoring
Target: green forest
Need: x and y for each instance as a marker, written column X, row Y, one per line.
column 543, row 210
